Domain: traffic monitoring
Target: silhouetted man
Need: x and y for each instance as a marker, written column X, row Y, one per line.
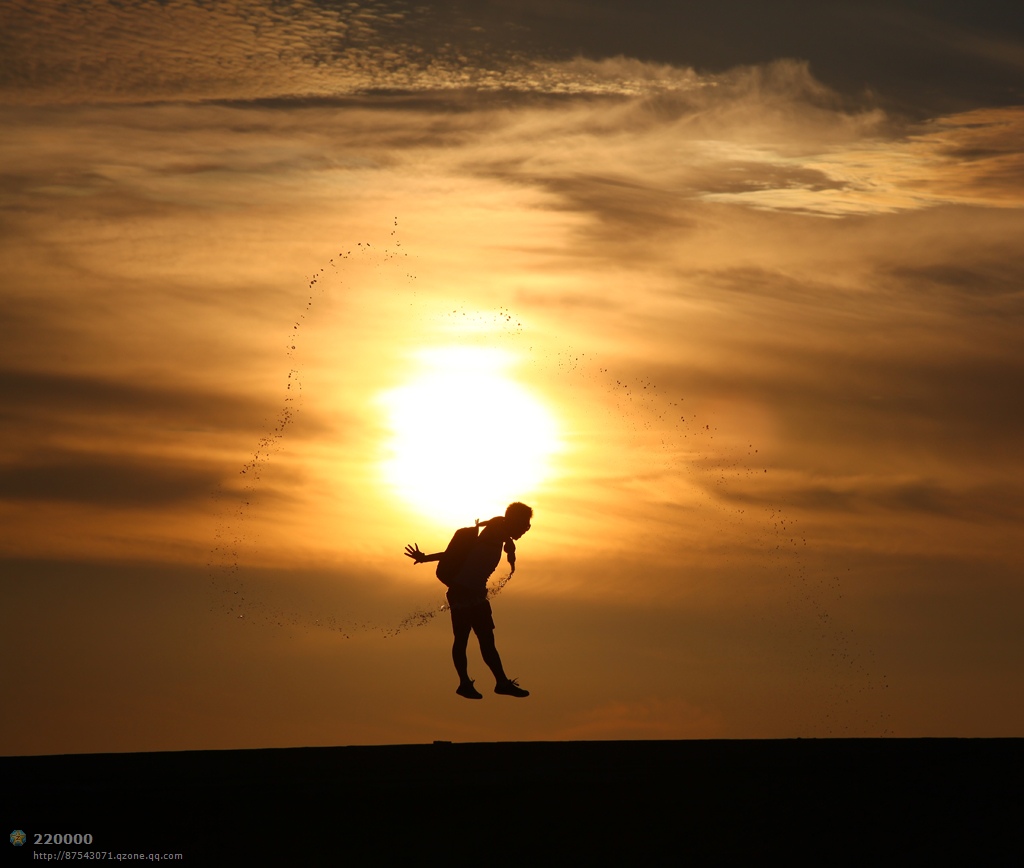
column 467, row 595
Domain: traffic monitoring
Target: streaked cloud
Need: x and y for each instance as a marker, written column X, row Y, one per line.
column 107, row 480
column 93, row 50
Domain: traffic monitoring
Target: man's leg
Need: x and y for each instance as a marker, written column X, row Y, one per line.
column 489, row 652
column 461, row 631
column 502, row 683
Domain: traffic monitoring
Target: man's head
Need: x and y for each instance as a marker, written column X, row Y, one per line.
column 517, row 519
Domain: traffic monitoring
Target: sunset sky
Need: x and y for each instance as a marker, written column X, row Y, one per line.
column 732, row 294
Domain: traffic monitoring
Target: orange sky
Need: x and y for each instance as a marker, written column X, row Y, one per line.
column 767, row 327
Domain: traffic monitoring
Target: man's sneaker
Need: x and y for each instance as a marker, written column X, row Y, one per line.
column 510, row 688
column 469, row 691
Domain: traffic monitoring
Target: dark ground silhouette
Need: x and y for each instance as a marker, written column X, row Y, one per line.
column 814, row 802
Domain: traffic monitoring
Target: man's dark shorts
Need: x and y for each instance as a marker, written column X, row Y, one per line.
column 476, row 617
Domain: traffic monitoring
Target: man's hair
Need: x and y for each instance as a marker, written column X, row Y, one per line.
column 520, row 509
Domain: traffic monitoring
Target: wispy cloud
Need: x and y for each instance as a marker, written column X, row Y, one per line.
column 705, row 199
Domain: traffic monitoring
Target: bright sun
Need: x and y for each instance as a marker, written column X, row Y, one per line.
column 465, row 437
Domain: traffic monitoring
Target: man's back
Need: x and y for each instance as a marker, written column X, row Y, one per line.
column 483, row 558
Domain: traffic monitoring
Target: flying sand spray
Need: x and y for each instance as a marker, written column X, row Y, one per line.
column 639, row 401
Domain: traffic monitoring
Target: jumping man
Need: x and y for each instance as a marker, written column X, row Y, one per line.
column 467, row 596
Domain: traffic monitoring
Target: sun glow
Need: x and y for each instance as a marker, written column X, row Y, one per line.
column 466, row 438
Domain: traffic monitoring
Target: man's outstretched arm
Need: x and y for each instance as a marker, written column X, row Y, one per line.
column 419, row 557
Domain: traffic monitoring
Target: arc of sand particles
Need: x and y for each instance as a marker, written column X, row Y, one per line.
column 234, row 597
column 637, row 398
column 229, row 588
